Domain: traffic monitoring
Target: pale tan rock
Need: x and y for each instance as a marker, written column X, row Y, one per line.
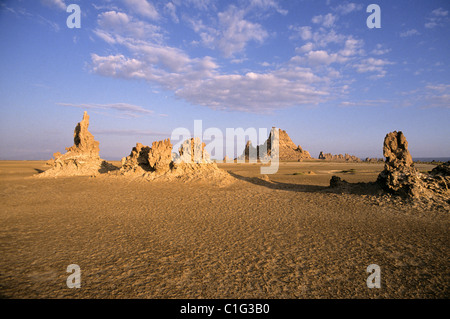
column 400, row 177
column 395, row 150
column 160, row 155
column 84, row 142
column 81, row 159
column 191, row 163
column 137, row 160
column 193, row 151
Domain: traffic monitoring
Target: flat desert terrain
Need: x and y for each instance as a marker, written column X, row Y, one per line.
column 280, row 236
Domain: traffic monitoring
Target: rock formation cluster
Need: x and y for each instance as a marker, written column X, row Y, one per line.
column 338, row 157
column 81, row 159
column 192, row 162
column 287, row 150
column 401, row 179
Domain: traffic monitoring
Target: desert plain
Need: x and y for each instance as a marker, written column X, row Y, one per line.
column 286, row 235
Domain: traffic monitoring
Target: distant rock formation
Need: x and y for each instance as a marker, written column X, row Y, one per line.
column 339, row 157
column 373, row 160
column 287, row 151
column 81, row 159
column 192, row 162
column 402, row 178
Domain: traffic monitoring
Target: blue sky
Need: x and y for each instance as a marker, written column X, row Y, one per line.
column 142, row 68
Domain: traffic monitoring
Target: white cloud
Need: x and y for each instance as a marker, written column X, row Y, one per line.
column 304, row 32
column 55, row 3
column 128, row 132
column 431, row 95
column 322, row 57
column 437, row 95
column 308, row 78
column 232, row 33
column 171, row 10
column 203, row 5
column 439, row 12
column 364, row 103
column 430, row 25
column 115, row 26
column 266, row 5
column 409, row 33
column 372, row 65
column 198, row 81
column 238, row 61
column 327, row 20
column 235, row 31
column 380, row 50
column 323, row 38
column 124, row 108
column 352, row 47
column 231, row 30
column 117, row 66
column 347, row 8
column 436, row 18
column 143, row 8
column 257, row 92
column 438, row 87
column 305, row 48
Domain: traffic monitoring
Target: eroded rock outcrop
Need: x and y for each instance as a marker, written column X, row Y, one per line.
column 137, row 160
column 193, row 151
column 336, row 181
column 400, row 177
column 81, row 159
column 395, row 150
column 287, row 150
column 192, row 162
column 338, row 157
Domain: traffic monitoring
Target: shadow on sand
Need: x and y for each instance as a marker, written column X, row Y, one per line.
column 348, row 188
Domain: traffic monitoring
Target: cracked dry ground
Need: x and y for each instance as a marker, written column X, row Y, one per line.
column 287, row 238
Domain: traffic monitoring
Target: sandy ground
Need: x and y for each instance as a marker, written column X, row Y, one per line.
column 285, row 237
